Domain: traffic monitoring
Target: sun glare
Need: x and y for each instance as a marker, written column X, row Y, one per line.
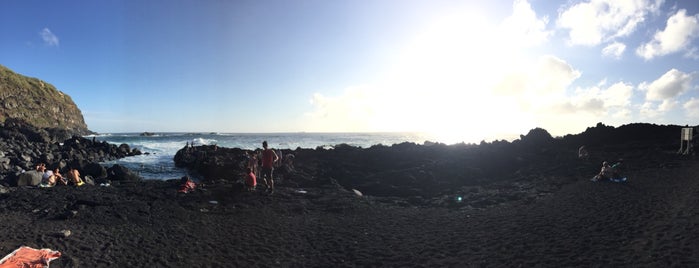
column 444, row 82
column 447, row 73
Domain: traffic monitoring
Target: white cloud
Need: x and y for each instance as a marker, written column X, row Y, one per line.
column 595, row 21
column 618, row 95
column 670, row 85
column 537, row 85
column 614, row 101
column 658, row 111
column 554, row 74
column 691, row 108
column 524, row 27
column 667, row 105
column 677, row 36
column 692, row 53
column 649, row 111
column 49, row 38
column 614, row 50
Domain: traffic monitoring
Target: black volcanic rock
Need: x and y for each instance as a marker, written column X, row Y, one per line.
column 120, row 173
column 433, row 170
column 23, row 146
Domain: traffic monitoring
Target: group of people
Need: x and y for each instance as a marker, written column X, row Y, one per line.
column 267, row 160
column 53, row 177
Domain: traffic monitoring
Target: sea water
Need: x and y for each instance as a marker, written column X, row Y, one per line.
column 161, row 148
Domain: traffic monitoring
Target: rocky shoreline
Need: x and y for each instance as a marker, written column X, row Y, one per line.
column 23, row 146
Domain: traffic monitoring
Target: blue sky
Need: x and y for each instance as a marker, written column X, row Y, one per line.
column 463, row 70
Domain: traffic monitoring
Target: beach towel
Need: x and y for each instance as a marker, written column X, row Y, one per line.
column 29, row 258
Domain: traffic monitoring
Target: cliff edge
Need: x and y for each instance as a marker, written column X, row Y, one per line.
column 27, row 98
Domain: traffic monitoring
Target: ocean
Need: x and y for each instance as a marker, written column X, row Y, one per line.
column 162, row 147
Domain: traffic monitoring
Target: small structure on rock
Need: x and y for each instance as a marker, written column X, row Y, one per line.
column 686, row 141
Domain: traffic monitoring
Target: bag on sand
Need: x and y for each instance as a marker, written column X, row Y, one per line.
column 29, row 257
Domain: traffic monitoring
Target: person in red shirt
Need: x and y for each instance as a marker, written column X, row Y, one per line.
column 187, row 185
column 268, row 159
column 250, row 180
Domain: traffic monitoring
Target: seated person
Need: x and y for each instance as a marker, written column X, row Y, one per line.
column 51, row 178
column 47, row 174
column 58, row 177
column 74, row 177
column 605, row 173
column 41, row 167
column 617, row 170
column 187, row 185
column 250, row 180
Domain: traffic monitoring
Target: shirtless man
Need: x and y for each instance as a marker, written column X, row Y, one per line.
column 74, row 177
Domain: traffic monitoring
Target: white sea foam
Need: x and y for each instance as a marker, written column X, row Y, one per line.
column 202, row 141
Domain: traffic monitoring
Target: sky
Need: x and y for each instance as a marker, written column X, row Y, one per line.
column 461, row 70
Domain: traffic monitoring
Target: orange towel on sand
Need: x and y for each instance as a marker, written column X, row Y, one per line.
column 27, row 257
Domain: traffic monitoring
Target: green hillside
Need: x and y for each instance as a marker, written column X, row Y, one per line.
column 38, row 103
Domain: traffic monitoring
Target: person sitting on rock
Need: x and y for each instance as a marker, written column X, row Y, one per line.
column 605, row 172
column 187, row 185
column 41, row 167
column 58, row 177
column 252, row 162
column 250, row 180
column 50, row 178
column 616, row 170
column 74, row 177
column 46, row 176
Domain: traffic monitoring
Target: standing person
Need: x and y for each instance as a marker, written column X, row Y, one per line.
column 268, row 159
column 278, row 164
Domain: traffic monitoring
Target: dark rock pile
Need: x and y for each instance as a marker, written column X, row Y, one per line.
column 445, row 175
column 23, row 146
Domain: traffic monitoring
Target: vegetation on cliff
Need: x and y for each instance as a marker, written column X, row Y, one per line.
column 38, row 103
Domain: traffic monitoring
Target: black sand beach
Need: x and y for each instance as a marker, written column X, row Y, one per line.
column 528, row 203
